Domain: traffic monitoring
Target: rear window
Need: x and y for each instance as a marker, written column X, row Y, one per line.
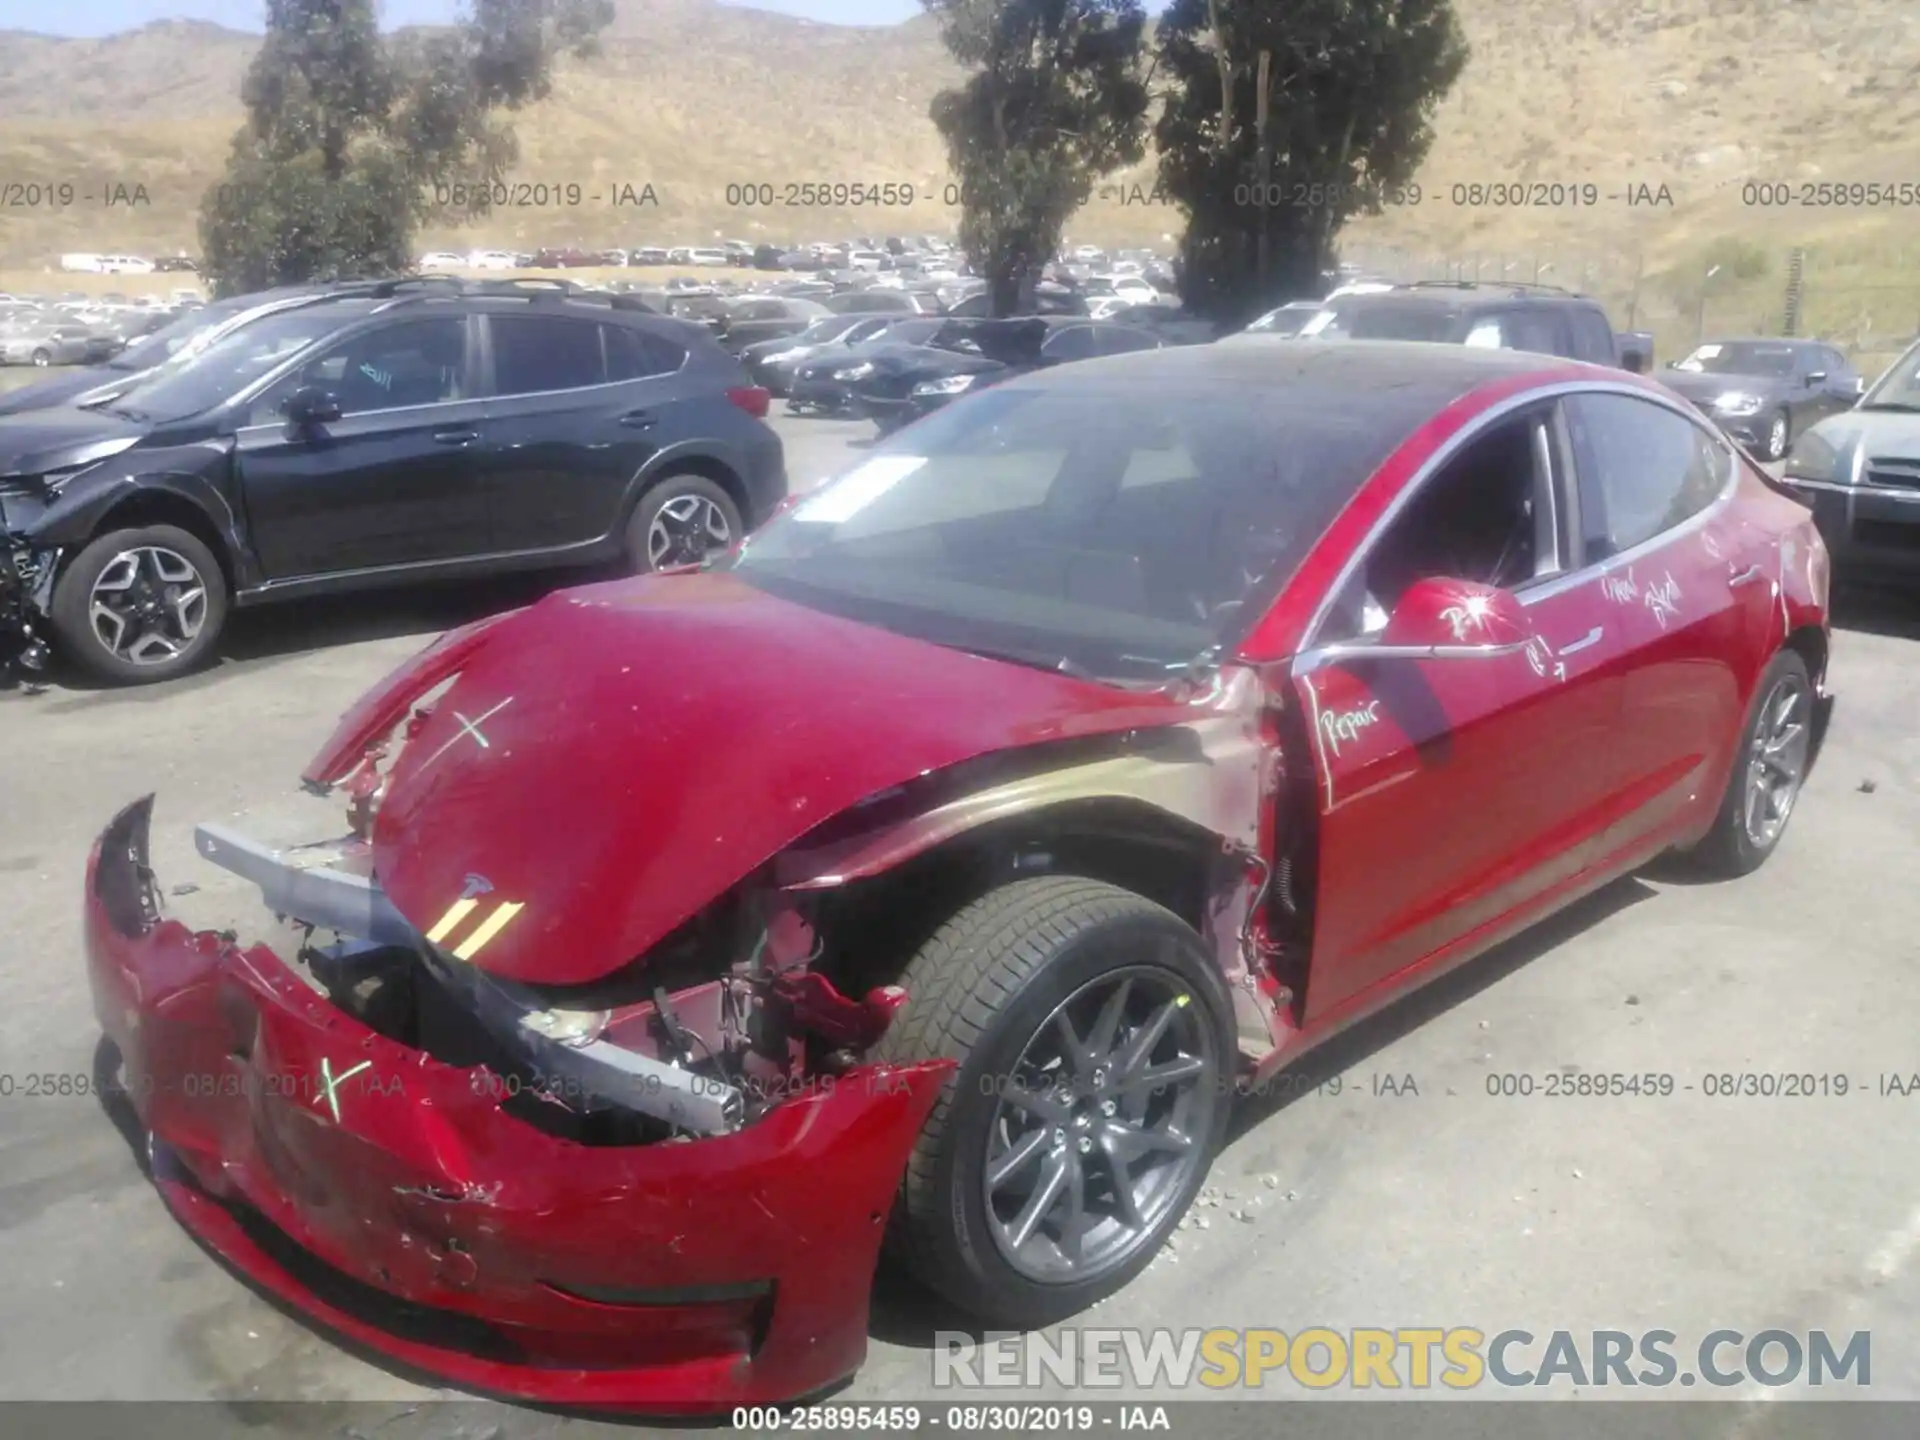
column 1357, row 319
column 634, row 354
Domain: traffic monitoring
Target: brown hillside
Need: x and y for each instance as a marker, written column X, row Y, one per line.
column 1698, row 96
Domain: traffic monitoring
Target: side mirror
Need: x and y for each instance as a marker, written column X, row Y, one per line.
column 311, row 405
column 1439, row 620
column 1457, row 615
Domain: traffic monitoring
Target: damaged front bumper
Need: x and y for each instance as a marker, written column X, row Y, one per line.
column 26, row 594
column 390, row 1196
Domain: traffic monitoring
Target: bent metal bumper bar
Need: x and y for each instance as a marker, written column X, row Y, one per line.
column 305, row 883
column 389, row 1196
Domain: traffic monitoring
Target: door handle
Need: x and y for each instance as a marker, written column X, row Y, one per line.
column 639, row 420
column 455, row 437
column 1746, row 577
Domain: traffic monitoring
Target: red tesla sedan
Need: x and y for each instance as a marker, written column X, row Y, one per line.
column 928, row 873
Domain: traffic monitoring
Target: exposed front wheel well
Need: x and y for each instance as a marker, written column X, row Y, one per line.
column 1810, row 643
column 160, row 507
column 873, row 926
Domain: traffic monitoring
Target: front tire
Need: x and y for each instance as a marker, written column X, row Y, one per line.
column 1779, row 433
column 42, row 359
column 681, row 520
column 1767, row 772
column 141, row 605
column 1094, row 1039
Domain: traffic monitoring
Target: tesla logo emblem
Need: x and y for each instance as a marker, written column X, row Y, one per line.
column 477, row 885
column 469, row 729
column 330, row 1084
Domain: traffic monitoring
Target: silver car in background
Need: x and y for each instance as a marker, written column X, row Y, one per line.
column 44, row 340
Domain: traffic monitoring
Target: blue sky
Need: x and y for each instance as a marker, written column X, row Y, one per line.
column 104, row 17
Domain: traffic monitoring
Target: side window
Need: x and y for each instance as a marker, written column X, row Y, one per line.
column 536, row 353
column 390, row 367
column 760, row 310
column 865, row 330
column 635, row 354
column 1540, row 331
column 1592, row 335
column 1643, row 469
column 1489, row 332
column 1070, row 342
column 1122, row 339
column 1486, row 515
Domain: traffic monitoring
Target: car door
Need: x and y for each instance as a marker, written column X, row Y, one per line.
column 1454, row 792
column 395, row 480
column 575, row 411
column 1687, row 580
column 1835, row 383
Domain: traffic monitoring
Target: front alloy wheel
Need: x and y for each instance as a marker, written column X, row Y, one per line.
column 1092, row 1137
column 140, row 605
column 1777, row 436
column 148, row 605
column 1092, row 1039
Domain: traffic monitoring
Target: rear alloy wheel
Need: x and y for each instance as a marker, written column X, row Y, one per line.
column 680, row 521
column 1094, row 1042
column 1776, row 749
column 1778, row 433
column 42, row 359
column 140, row 605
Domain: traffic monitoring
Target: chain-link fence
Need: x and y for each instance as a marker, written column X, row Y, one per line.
column 1867, row 305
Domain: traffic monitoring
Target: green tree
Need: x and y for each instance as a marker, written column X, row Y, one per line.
column 1055, row 101
column 348, row 133
column 1267, row 178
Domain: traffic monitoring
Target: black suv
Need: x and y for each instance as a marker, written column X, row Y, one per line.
column 411, row 430
column 1540, row 318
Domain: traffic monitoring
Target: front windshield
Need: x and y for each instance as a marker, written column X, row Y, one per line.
column 1120, row 530
column 1361, row 318
column 825, row 332
column 227, row 366
column 1736, row 357
column 170, row 340
column 1284, row 321
column 1899, row 388
column 907, row 332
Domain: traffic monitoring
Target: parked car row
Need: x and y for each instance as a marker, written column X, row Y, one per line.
column 86, row 263
column 519, row 412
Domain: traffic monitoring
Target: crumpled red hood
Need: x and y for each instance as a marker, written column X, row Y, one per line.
column 615, row 757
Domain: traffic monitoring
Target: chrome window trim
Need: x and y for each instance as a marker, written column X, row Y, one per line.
column 1495, row 415
column 1550, row 557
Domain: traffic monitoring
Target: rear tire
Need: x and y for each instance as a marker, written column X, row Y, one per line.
column 42, row 359
column 680, row 521
column 988, row 991
column 145, row 580
column 1769, row 767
